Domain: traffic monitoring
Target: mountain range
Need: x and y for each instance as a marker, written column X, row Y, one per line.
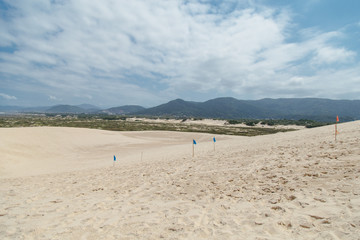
column 285, row 108
column 222, row 108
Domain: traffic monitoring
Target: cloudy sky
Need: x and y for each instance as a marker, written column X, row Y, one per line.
column 147, row 52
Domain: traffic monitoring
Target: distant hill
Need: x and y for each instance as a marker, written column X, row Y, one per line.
column 18, row 109
column 73, row 109
column 65, row 109
column 175, row 108
column 311, row 108
column 223, row 108
column 128, row 109
column 10, row 109
column 226, row 108
column 231, row 108
column 89, row 107
column 83, row 108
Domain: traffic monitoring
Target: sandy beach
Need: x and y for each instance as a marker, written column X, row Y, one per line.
column 60, row 183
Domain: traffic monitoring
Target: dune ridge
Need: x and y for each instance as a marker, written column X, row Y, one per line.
column 295, row 185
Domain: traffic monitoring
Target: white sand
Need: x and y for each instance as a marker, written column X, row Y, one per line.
column 211, row 122
column 59, row 183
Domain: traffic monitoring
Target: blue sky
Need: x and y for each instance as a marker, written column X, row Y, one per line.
column 112, row 53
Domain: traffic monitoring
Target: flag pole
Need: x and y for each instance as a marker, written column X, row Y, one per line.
column 214, row 140
column 336, row 132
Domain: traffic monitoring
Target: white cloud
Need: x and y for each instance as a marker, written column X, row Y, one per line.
column 7, row 97
column 329, row 55
column 153, row 49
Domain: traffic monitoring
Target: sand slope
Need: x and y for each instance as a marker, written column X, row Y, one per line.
column 297, row 185
column 40, row 150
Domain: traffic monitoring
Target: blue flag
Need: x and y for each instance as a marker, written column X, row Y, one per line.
column 194, row 142
column 114, row 158
column 214, row 139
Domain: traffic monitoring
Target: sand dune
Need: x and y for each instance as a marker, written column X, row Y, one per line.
column 59, row 183
column 33, row 151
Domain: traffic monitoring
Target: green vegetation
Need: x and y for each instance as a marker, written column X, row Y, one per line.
column 120, row 123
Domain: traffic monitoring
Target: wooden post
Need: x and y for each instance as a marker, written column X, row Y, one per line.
column 335, row 131
column 214, row 140
column 194, row 142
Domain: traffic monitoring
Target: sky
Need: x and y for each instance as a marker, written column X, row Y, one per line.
column 147, row 52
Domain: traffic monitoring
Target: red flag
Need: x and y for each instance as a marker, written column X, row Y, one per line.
column 337, row 118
